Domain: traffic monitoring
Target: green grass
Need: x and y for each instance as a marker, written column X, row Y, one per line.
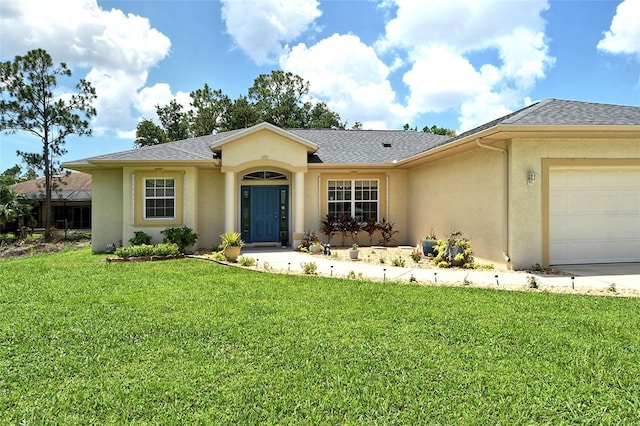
column 192, row 342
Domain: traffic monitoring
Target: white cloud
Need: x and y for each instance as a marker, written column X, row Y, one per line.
column 439, row 46
column 354, row 82
column 260, row 28
column 440, row 37
column 624, row 33
column 117, row 49
column 440, row 79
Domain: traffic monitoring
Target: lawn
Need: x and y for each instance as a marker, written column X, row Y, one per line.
column 192, row 342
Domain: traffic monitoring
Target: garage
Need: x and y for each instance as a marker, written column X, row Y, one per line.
column 594, row 215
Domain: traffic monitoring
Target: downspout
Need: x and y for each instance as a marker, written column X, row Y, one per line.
column 505, row 243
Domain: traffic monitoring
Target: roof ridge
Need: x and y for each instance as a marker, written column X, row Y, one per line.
column 527, row 110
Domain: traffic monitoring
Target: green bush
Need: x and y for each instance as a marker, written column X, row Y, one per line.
column 454, row 251
column 246, row 261
column 183, row 237
column 309, row 268
column 140, row 238
column 398, row 261
column 145, row 250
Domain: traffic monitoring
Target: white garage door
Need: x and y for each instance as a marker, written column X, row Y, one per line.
column 594, row 215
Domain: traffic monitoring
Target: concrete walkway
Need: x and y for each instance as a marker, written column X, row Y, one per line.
column 285, row 260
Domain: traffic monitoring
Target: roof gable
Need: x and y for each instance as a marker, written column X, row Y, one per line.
column 229, row 137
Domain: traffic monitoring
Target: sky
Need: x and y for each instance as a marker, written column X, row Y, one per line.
column 384, row 63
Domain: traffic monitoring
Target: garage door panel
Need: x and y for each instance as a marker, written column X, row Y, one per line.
column 594, row 215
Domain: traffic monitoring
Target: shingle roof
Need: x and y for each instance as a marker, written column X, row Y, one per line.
column 380, row 146
column 367, row 146
column 72, row 187
column 335, row 146
column 557, row 112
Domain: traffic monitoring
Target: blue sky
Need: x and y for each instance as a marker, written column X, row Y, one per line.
column 454, row 63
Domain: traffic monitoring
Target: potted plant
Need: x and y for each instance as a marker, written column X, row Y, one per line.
column 353, row 252
column 316, row 247
column 329, row 227
column 231, row 245
column 454, row 251
column 429, row 243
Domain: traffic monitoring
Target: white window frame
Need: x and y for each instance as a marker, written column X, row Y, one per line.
column 352, row 195
column 159, row 197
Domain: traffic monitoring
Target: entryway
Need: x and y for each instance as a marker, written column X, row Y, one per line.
column 265, row 213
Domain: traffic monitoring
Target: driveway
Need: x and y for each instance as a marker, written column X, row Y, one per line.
column 624, row 275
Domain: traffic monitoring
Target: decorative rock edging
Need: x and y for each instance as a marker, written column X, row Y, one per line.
column 143, row 258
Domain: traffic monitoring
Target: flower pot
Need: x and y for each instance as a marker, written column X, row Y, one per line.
column 453, row 252
column 316, row 248
column 232, row 253
column 353, row 254
column 428, row 247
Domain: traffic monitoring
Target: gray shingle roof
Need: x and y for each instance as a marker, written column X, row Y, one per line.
column 380, row 146
column 367, row 146
column 556, row 112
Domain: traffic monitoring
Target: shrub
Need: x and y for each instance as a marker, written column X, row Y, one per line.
column 398, row 261
column 246, row 261
column 415, row 255
column 140, row 238
column 145, row 250
column 386, row 232
column 454, row 251
column 219, row 256
column 309, row 268
column 182, row 237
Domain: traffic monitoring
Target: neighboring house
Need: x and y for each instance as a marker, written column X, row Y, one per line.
column 70, row 200
column 554, row 183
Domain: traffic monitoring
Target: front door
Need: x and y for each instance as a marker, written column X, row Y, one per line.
column 264, row 213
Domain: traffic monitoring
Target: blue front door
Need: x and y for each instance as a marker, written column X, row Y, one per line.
column 264, row 213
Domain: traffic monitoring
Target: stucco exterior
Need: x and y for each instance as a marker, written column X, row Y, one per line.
column 463, row 193
column 107, row 209
column 491, row 183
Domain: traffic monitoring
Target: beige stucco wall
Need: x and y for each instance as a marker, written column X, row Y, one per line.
column 264, row 148
column 210, row 207
column 527, row 213
column 464, row 192
column 106, row 209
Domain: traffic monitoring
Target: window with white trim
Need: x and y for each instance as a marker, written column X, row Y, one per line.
column 357, row 198
column 159, row 198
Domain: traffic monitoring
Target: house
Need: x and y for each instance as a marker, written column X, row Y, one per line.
column 70, row 200
column 557, row 182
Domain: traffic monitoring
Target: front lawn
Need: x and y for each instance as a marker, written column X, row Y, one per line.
column 189, row 341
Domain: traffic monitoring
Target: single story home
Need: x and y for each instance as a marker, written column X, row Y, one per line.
column 557, row 182
column 70, row 200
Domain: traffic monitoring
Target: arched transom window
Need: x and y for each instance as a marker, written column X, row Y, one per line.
column 264, row 175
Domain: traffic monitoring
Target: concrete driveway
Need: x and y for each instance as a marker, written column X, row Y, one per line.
column 624, row 275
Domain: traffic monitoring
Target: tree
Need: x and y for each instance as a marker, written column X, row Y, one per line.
column 240, row 115
column 321, row 117
column 210, row 108
column 279, row 99
column 29, row 104
column 148, row 133
column 12, row 206
column 10, row 176
column 439, row 131
column 174, row 121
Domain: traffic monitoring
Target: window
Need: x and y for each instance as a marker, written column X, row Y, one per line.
column 159, row 198
column 264, row 175
column 357, row 198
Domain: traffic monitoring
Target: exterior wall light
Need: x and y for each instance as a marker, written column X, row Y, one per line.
column 531, row 177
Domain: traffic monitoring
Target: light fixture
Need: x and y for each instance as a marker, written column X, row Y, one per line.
column 531, row 177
